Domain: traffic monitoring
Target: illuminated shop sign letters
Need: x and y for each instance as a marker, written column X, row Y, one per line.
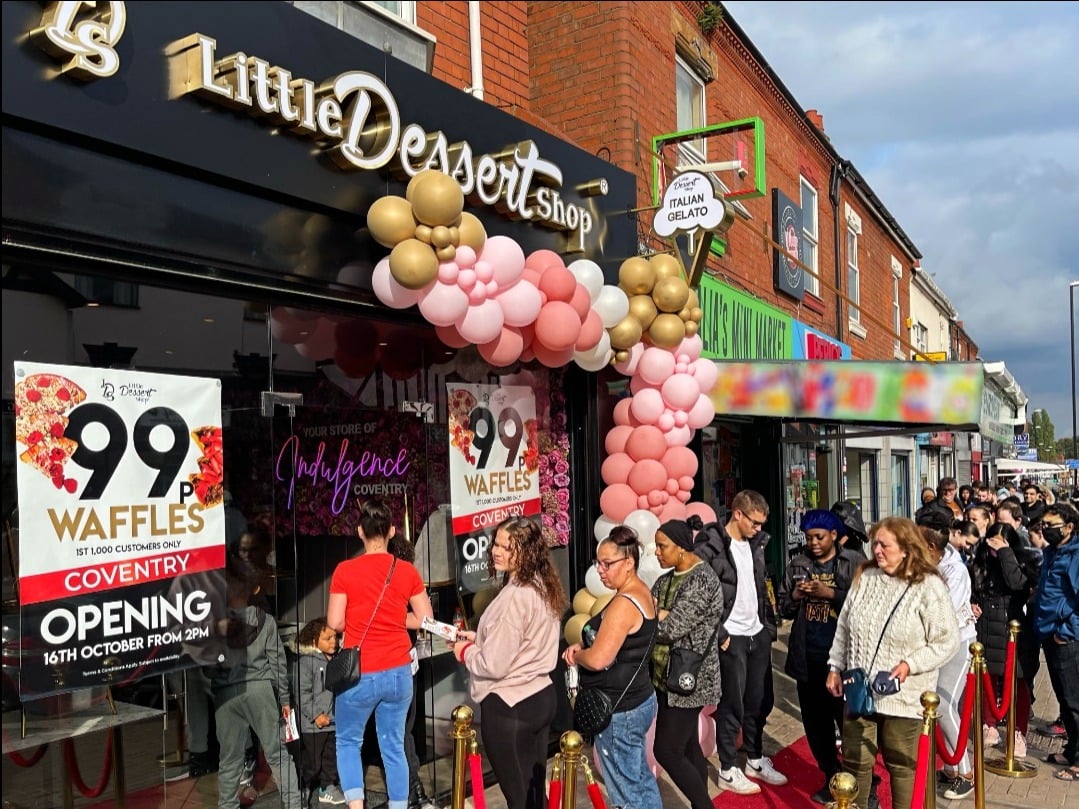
column 357, row 118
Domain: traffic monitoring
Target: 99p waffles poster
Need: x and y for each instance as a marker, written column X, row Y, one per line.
column 121, row 524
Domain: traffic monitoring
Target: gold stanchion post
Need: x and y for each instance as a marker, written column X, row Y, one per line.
column 930, row 704
column 462, row 735
column 1008, row 766
column 571, row 743
column 844, row 789
column 977, row 665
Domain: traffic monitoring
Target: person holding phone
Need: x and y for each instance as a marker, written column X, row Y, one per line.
column 812, row 594
column 898, row 624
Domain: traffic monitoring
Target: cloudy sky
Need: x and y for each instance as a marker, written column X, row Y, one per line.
column 964, row 119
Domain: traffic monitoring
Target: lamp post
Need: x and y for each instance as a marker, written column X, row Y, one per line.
column 1071, row 312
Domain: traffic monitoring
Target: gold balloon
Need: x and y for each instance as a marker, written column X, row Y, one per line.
column 691, row 328
column 583, row 601
column 390, row 221
column 413, row 264
column 447, row 253
column 626, row 333
column 436, row 198
column 472, row 232
column 424, row 233
column 695, row 314
column 572, row 630
column 440, row 236
column 670, row 294
column 413, row 184
column 694, row 302
column 666, row 266
column 601, row 602
column 621, row 356
column 644, row 309
column 667, row 331
column 636, row 276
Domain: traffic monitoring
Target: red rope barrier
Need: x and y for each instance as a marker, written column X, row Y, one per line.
column 35, row 757
column 995, row 713
column 76, row 777
column 596, row 796
column 554, row 801
column 475, row 762
column 921, row 773
column 966, row 716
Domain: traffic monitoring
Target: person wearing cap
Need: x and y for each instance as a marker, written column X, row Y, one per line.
column 812, row 593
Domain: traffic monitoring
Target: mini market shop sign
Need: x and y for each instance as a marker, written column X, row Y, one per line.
column 737, row 326
column 356, row 115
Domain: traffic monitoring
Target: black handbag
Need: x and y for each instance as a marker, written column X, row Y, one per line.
column 858, row 699
column 683, row 666
column 343, row 670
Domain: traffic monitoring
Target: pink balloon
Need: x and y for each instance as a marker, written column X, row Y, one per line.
column 702, row 413
column 693, row 346
column 581, row 302
column 506, row 257
column 443, row 304
column 320, row 344
column 481, row 324
column 680, row 462
column 682, row 496
column 449, row 336
column 680, row 418
column 616, row 468
column 558, row 284
column 621, row 411
column 655, row 499
column 646, row 476
column 466, row 256
column 617, row 438
column 540, row 260
column 656, row 365
column 591, row 331
column 392, row 293
column 629, row 367
column 550, row 357
column 678, row 436
column 558, row 326
column 666, row 421
column 680, row 392
column 642, row 502
column 617, row 501
column 673, row 509
column 505, row 349
column 702, row 510
column 637, row 384
column 520, row 303
column 706, row 373
column 286, row 328
column 670, row 486
column 685, row 483
column 647, row 406
column 646, row 442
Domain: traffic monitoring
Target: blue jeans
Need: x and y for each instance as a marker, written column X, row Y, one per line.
column 387, row 694
column 623, row 761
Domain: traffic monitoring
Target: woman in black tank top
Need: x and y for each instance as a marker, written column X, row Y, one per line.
column 618, row 640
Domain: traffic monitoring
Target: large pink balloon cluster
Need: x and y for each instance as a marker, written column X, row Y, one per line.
column 648, row 464
column 510, row 307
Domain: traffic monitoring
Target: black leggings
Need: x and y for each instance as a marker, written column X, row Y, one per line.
column 515, row 741
column 677, row 748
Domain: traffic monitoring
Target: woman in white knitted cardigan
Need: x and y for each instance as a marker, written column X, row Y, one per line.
column 920, row 637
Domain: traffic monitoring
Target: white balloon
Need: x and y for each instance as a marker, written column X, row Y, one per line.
column 595, row 359
column 589, row 275
column 593, row 584
column 611, row 305
column 645, row 523
column 650, row 570
column 602, row 529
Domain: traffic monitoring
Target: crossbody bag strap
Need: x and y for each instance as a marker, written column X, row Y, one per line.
column 374, row 612
column 647, row 654
column 885, row 629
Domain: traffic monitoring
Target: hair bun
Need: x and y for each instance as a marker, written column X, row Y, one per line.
column 695, row 522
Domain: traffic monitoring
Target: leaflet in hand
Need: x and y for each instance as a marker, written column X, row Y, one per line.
column 292, row 733
column 447, row 631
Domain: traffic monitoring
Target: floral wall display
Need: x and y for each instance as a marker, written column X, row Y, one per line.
column 554, row 472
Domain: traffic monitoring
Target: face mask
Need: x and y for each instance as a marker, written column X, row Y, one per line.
column 1053, row 535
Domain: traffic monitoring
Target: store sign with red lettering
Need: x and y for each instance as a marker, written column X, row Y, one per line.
column 121, row 523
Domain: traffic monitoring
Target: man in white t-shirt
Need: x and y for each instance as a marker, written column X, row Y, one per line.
column 735, row 551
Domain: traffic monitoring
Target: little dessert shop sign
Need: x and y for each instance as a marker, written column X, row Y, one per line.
column 356, row 117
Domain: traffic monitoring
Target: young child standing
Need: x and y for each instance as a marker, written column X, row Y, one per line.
column 316, row 644
column 251, row 690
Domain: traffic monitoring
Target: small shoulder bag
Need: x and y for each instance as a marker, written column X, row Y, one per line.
column 343, row 670
column 857, row 693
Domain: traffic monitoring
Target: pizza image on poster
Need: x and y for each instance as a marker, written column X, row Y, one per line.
column 120, row 480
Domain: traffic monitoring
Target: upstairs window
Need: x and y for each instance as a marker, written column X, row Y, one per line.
column 854, row 276
column 810, row 236
column 689, row 99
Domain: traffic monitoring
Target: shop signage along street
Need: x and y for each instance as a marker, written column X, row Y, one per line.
column 121, row 523
column 810, row 344
column 879, row 392
column 737, row 326
column 788, row 276
column 494, row 462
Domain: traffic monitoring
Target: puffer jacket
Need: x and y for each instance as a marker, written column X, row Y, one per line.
column 1001, row 584
column 309, row 693
column 713, row 545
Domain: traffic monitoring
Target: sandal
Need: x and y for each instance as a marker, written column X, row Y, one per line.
column 1068, row 773
column 1057, row 758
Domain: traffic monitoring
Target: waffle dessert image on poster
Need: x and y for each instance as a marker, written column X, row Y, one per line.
column 209, row 480
column 41, row 404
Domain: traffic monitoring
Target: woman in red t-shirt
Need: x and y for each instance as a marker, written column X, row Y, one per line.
column 375, row 601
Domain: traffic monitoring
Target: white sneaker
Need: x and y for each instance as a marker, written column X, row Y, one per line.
column 990, row 735
column 1020, row 747
column 331, row 796
column 762, row 769
column 734, row 780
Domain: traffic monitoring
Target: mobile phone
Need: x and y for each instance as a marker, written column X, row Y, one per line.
column 798, row 578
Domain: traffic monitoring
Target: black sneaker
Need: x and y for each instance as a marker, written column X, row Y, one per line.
column 823, row 796
column 961, row 788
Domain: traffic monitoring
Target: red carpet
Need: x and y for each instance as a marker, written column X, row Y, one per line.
column 795, row 762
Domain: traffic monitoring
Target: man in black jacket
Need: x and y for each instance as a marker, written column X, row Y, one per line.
column 736, row 553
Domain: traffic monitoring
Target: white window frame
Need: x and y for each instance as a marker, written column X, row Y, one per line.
column 811, row 238
column 405, row 9
column 897, row 275
column 695, row 147
column 854, row 273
